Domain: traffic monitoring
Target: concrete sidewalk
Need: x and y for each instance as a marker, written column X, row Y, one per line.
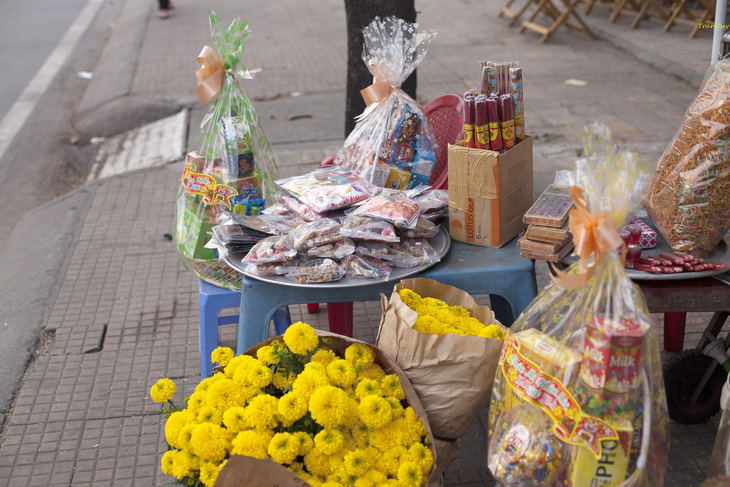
column 125, row 313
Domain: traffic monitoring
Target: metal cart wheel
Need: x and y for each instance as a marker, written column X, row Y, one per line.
column 682, row 375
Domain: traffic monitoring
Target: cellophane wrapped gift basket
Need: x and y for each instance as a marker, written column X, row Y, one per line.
column 392, row 144
column 305, row 408
column 578, row 396
column 229, row 167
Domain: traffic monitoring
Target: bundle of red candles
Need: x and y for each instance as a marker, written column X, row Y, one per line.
column 494, row 115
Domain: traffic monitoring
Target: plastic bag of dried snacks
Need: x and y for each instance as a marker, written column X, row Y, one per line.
column 580, row 377
column 392, row 144
column 689, row 194
column 230, row 167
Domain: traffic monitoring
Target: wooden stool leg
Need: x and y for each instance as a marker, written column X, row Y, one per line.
column 674, row 324
column 676, row 9
column 532, row 15
column 519, row 13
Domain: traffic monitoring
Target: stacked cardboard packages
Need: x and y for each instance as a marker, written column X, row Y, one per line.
column 547, row 236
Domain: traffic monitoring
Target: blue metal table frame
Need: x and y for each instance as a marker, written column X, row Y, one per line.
column 502, row 273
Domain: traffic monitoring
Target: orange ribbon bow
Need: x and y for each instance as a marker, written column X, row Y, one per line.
column 210, row 75
column 376, row 92
column 592, row 234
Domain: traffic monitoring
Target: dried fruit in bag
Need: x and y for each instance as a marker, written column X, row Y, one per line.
column 688, row 196
column 313, row 234
column 368, row 228
column 333, row 250
column 364, row 267
column 328, row 188
column 424, row 228
column 271, row 249
column 317, row 270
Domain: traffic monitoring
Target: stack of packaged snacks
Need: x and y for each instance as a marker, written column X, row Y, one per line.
column 547, row 236
column 230, row 168
column 494, row 116
column 579, row 393
column 371, row 235
column 392, row 144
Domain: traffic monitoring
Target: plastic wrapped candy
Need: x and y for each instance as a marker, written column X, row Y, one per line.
column 392, row 144
column 688, row 197
column 230, row 167
column 585, row 352
column 523, row 451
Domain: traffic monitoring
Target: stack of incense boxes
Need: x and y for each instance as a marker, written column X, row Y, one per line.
column 494, row 116
column 547, row 236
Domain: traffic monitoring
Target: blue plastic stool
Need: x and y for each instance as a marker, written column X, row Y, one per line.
column 213, row 300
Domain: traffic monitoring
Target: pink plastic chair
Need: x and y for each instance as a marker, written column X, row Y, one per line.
column 445, row 117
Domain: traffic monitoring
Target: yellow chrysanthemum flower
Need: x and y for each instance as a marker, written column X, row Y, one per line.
column 209, row 414
column 375, row 476
column 317, row 463
column 224, row 394
column 210, row 442
column 341, row 372
column 493, row 331
column 168, row 460
column 252, row 443
column 363, row 482
column 410, row 474
column 309, row 381
column 174, row 424
column 209, row 472
column 392, row 459
column 259, row 376
column 396, row 408
column 184, row 465
column 375, row 411
column 368, row 387
column 236, row 362
column 306, row 443
column 221, row 356
column 421, row 455
column 410, row 298
column 359, row 354
column 267, row 355
column 391, row 387
column 324, row 356
column 414, row 422
column 372, row 372
column 283, row 448
column 291, row 407
column 383, row 438
column 329, row 406
column 262, row 411
column 357, row 463
column 163, row 390
column 301, row 338
column 196, row 401
column 234, row 419
column 206, row 383
column 328, row 441
column 185, row 436
column 282, row 380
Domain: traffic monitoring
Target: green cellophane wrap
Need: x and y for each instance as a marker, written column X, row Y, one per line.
column 230, row 167
column 578, row 396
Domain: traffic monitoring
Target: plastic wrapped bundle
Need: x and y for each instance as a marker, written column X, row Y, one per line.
column 230, row 167
column 392, row 144
column 585, row 353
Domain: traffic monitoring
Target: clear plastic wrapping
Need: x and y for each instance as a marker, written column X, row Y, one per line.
column 271, row 249
column 328, row 188
column 364, row 267
column 314, row 234
column 368, row 228
column 584, row 353
column 409, row 253
column 402, row 212
column 317, row 270
column 689, row 195
column 392, row 144
column 230, row 167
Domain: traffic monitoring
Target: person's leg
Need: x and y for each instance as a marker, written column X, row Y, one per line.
column 162, row 12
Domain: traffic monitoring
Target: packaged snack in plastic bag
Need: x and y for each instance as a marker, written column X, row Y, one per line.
column 364, row 267
column 317, row 270
column 328, row 188
column 333, row 250
column 392, row 144
column 401, row 212
column 411, row 252
column 230, row 167
column 273, row 268
column 584, row 354
column 314, row 234
column 424, row 228
column 367, row 228
column 271, row 249
column 688, row 197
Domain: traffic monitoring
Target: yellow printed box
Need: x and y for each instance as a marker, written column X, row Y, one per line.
column 489, row 193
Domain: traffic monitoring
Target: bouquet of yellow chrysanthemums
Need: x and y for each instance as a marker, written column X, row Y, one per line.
column 449, row 348
column 323, row 408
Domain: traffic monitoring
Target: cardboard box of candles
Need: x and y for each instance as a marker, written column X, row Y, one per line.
column 490, row 171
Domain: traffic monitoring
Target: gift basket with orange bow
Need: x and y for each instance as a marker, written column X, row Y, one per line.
column 578, row 396
column 230, row 166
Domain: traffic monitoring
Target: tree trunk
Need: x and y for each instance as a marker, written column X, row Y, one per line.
column 360, row 13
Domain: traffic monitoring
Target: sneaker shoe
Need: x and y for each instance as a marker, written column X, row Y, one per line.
column 163, row 13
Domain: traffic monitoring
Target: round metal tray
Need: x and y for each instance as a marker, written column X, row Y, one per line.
column 441, row 243
column 718, row 254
